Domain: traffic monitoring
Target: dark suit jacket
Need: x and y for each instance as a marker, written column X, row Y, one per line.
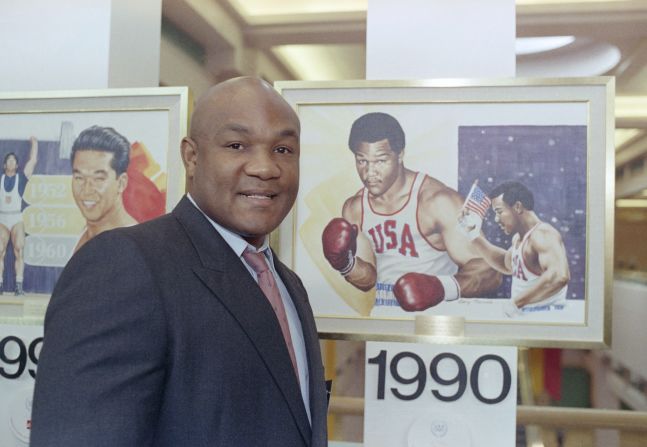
column 157, row 335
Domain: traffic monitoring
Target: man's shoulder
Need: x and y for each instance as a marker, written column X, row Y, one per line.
column 154, row 234
column 544, row 232
column 354, row 201
column 155, row 245
column 352, row 209
column 435, row 192
column 357, row 197
column 145, row 229
column 156, row 224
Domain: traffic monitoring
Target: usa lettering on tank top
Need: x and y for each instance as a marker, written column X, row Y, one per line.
column 523, row 278
column 399, row 246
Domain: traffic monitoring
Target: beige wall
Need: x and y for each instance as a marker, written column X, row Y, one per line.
column 631, row 239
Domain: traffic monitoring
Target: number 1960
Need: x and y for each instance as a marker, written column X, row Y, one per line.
column 461, row 378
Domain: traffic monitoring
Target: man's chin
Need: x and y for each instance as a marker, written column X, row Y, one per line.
column 256, row 233
column 375, row 191
column 92, row 218
column 248, row 232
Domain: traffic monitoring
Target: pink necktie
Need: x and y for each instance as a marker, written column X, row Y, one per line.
column 268, row 285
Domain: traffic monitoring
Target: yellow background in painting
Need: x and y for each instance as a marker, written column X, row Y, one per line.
column 53, row 220
column 49, row 190
column 325, row 202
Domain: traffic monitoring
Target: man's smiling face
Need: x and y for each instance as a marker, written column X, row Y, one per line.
column 95, row 185
column 244, row 164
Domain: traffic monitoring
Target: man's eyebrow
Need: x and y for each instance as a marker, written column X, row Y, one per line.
column 98, row 171
column 240, row 128
column 289, row 133
column 236, row 128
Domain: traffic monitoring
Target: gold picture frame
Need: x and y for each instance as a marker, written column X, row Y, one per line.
column 556, row 131
column 152, row 120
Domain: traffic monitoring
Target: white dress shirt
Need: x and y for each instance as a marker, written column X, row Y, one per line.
column 239, row 245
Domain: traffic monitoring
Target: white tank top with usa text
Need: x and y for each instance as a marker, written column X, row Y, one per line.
column 399, row 247
column 523, row 278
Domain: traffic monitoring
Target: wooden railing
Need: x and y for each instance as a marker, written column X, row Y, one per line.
column 550, row 417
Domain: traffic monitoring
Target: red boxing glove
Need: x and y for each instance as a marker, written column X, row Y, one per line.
column 339, row 240
column 417, row 291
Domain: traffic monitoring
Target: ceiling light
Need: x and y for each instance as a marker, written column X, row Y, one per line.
column 324, row 62
column 255, row 8
column 582, row 57
column 631, row 106
column 631, row 203
column 532, row 45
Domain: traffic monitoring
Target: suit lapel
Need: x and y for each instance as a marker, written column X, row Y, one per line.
column 230, row 282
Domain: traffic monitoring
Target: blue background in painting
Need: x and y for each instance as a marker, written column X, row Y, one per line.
column 551, row 162
column 37, row 279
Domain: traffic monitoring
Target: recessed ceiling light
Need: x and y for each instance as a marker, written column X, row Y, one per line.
column 532, row 45
column 582, row 57
column 631, row 203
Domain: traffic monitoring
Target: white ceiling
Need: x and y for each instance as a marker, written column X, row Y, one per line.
column 325, row 40
column 252, row 9
column 330, row 35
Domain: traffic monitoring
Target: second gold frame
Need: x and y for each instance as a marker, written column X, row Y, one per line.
column 554, row 136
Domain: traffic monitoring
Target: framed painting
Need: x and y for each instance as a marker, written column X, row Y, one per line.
column 77, row 163
column 485, row 202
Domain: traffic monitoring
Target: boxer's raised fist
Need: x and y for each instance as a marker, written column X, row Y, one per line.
column 339, row 241
column 417, row 291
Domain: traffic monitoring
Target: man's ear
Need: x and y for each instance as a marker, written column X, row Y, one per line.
column 401, row 156
column 122, row 182
column 189, row 152
column 518, row 207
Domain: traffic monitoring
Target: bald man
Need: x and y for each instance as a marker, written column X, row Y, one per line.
column 164, row 334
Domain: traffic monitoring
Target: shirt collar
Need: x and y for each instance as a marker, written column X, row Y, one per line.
column 234, row 240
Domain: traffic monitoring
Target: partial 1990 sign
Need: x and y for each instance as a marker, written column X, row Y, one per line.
column 439, row 395
column 19, row 351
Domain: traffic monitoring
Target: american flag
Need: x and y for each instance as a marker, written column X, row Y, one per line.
column 477, row 201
